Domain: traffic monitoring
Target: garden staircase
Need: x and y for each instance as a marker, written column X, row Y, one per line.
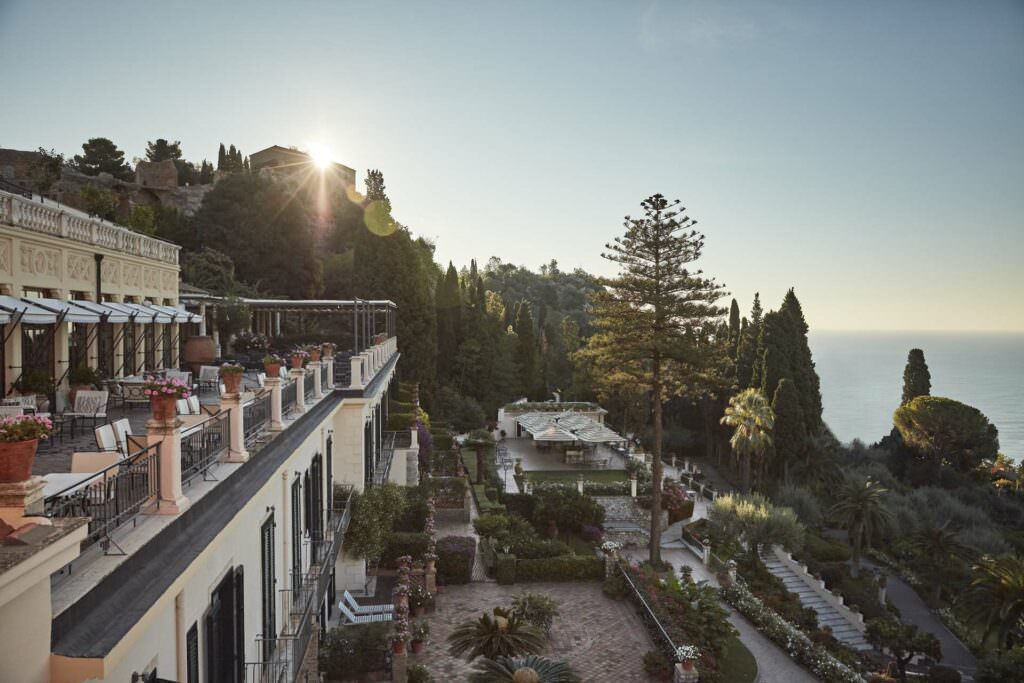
column 847, row 626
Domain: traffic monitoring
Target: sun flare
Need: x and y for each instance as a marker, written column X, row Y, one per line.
column 321, row 155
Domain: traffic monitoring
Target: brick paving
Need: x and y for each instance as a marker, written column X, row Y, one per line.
column 601, row 638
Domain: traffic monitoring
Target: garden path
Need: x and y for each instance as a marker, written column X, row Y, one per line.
column 442, row 529
column 914, row 610
column 773, row 664
column 602, row 639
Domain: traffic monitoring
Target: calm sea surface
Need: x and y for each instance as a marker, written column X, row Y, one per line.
column 862, row 379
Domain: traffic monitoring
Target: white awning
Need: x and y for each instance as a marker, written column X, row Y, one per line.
column 30, row 314
column 71, row 312
column 178, row 315
column 554, row 433
column 145, row 314
column 104, row 311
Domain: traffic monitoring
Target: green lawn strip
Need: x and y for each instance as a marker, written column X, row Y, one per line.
column 737, row 664
column 570, row 476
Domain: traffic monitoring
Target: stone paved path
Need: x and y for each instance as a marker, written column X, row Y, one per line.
column 602, row 639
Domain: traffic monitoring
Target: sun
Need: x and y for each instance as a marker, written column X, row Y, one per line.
column 321, row 155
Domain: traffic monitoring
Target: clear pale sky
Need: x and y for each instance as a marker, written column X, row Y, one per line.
column 871, row 154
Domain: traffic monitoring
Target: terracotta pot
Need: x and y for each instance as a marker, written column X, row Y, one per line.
column 16, row 460
column 417, row 647
column 163, row 407
column 296, row 362
column 314, row 355
column 328, row 352
column 398, row 648
column 232, row 382
column 417, row 610
column 688, row 664
column 272, row 369
column 199, row 350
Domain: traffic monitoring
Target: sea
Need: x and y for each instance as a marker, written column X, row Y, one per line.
column 862, row 379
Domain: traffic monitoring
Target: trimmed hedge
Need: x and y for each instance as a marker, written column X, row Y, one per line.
column 442, row 441
column 398, row 422
column 539, row 548
column 826, row 550
column 563, row 568
column 403, row 543
column 484, row 502
column 455, row 555
column 521, row 504
column 505, row 569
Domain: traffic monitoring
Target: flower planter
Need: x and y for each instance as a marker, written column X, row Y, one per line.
column 16, row 460
column 398, row 648
column 417, row 647
column 417, row 611
column 272, row 369
column 232, row 382
column 297, row 362
column 163, row 407
column 314, row 355
column 688, row 664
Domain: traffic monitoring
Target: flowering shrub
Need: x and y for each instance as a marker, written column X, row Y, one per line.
column 247, row 341
column 25, row 428
column 787, row 636
column 687, row 653
column 272, row 359
column 591, row 533
column 328, row 348
column 301, row 354
column 231, row 369
column 610, row 546
column 167, row 388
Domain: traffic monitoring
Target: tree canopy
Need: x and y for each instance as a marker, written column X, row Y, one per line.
column 917, row 381
column 947, row 432
column 101, row 155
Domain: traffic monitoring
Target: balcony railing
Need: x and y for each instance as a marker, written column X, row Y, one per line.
column 308, row 384
column 255, row 416
column 288, row 397
column 59, row 221
column 342, row 368
column 323, row 378
column 282, row 662
column 387, row 454
column 111, row 497
column 202, row 445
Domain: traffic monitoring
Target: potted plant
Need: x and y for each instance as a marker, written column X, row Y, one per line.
column 82, row 378
column 418, row 674
column 420, row 631
column 314, row 354
column 328, row 349
column 299, row 358
column 231, row 375
column 633, row 467
column 687, row 655
column 418, row 598
column 162, row 396
column 19, row 438
column 35, row 382
column 272, row 365
column 400, row 635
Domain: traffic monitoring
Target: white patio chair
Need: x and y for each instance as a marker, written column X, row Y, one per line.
column 261, row 379
column 90, row 405
column 122, row 430
column 11, row 411
column 350, row 618
column 193, row 405
column 366, row 609
column 181, row 405
column 106, row 440
column 283, row 372
column 209, row 376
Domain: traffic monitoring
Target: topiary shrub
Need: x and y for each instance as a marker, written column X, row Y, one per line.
column 505, row 569
column 401, row 543
column 455, row 556
column 563, row 568
column 568, row 509
column 491, row 525
column 943, row 674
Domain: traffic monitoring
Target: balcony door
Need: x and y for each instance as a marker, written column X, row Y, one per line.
column 225, row 648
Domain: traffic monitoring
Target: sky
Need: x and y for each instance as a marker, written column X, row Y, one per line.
column 869, row 154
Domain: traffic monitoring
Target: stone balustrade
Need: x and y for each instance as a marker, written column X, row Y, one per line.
column 59, row 221
column 367, row 363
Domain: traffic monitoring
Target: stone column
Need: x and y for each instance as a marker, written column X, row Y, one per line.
column 236, row 427
column 684, row 675
column 202, row 323
column 21, row 502
column 61, row 362
column 299, row 376
column 167, row 433
column 579, row 484
column 632, row 487
column 399, row 667
column 274, row 384
column 329, row 367
column 357, row 372
column 317, row 369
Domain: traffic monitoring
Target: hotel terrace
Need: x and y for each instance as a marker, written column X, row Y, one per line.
column 207, row 547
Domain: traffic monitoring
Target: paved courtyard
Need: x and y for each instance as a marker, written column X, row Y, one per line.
column 602, row 639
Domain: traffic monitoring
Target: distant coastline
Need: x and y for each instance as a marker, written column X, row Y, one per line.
column 862, row 373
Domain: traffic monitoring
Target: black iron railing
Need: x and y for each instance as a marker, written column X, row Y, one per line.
column 8, row 186
column 342, row 369
column 323, row 377
column 288, row 397
column 202, row 445
column 382, row 470
column 111, row 497
column 308, row 384
column 255, row 416
column 302, row 603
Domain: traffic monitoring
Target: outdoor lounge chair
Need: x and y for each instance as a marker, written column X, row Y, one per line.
column 122, row 430
column 209, row 376
column 366, row 609
column 181, row 406
column 350, row 618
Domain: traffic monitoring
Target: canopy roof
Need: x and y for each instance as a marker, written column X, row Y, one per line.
column 307, row 305
column 45, row 311
column 567, row 426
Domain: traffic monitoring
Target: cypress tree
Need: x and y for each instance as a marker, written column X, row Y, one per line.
column 448, row 322
column 734, row 326
column 789, row 433
column 222, row 158
column 527, row 355
column 917, row 380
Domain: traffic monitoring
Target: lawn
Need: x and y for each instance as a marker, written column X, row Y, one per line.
column 737, row 664
column 570, row 476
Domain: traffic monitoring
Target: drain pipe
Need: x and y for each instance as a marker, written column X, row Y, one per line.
column 99, row 277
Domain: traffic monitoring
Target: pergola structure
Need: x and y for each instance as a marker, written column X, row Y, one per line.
column 567, row 427
column 369, row 317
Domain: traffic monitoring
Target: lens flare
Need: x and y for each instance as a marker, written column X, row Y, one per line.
column 321, row 155
column 378, row 220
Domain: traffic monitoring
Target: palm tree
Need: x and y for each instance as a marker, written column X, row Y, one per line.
column 860, row 509
column 995, row 598
column 939, row 548
column 503, row 635
column 528, row 669
column 750, row 415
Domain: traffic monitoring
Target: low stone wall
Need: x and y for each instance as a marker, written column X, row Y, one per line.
column 856, row 619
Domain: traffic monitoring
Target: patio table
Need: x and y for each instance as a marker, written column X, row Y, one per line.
column 65, row 482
